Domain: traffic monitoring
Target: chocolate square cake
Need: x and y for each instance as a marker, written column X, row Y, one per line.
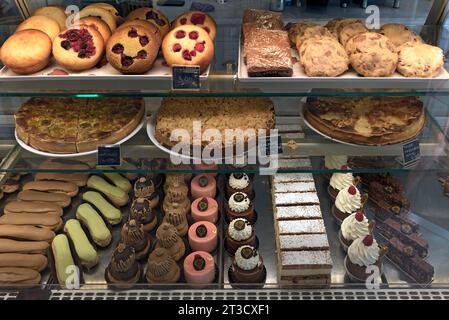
column 267, row 53
column 263, row 19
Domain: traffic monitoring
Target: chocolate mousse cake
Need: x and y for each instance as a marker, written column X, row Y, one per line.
column 407, row 258
column 240, row 205
column 247, row 266
column 240, row 232
column 239, row 182
column 268, row 53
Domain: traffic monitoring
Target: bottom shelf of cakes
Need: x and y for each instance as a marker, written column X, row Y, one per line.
column 275, row 232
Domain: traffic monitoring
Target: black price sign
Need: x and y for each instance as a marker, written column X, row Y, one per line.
column 109, row 155
column 186, row 78
column 272, row 145
column 411, row 152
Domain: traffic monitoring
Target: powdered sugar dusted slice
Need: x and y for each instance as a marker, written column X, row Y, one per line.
column 294, row 187
column 306, row 259
column 301, row 226
column 303, row 242
column 299, row 212
column 293, row 177
column 303, row 163
column 296, row 198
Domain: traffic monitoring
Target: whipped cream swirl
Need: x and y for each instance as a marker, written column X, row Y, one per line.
column 335, row 162
column 240, row 235
column 247, row 263
column 238, row 183
column 237, row 206
column 363, row 255
column 340, row 180
column 346, row 202
column 352, row 229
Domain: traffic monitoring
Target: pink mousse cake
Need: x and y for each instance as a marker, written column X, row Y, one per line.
column 203, row 236
column 208, row 167
column 199, row 268
column 203, row 185
column 204, row 209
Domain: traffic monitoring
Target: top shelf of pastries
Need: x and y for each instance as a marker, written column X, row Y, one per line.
column 103, row 54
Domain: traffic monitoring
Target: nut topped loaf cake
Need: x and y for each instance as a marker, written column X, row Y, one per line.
column 302, row 246
column 214, row 113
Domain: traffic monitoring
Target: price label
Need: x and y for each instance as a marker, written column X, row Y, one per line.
column 109, row 155
column 185, row 78
column 272, row 145
column 411, row 153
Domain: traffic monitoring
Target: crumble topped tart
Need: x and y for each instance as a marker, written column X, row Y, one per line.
column 69, row 125
column 367, row 120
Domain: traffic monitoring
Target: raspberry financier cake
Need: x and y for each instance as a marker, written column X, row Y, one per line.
column 78, row 48
column 133, row 49
column 152, row 16
column 199, row 19
column 188, row 45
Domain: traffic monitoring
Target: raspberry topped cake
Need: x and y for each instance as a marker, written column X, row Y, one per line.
column 133, row 49
column 348, row 200
column 153, row 16
column 78, row 48
column 199, row 19
column 188, row 45
column 353, row 227
column 341, row 180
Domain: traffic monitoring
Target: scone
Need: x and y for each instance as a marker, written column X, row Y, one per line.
column 188, row 45
column 103, row 14
column 372, row 55
column 47, row 25
column 78, row 48
column 133, row 49
column 26, row 51
column 399, row 34
column 420, row 60
column 108, row 7
column 57, row 13
column 99, row 25
column 350, row 30
column 151, row 15
column 312, row 32
column 294, row 29
column 145, row 24
column 199, row 19
column 323, row 57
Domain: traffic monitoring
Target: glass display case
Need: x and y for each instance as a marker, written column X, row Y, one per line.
column 285, row 154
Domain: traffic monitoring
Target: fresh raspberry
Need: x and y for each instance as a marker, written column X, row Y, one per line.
column 193, row 35
column 352, row 190
column 180, row 34
column 199, row 47
column 368, row 240
column 118, row 48
column 183, row 21
column 198, row 18
column 186, row 55
column 143, row 40
column 193, row 53
column 177, row 47
column 359, row 216
column 133, row 33
column 142, row 54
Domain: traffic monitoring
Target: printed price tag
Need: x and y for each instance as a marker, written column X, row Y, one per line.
column 109, row 155
column 272, row 145
column 411, row 153
column 185, row 78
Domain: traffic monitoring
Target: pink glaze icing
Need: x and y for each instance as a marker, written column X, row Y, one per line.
column 210, row 190
column 199, row 277
column 211, row 214
column 204, row 166
column 209, row 242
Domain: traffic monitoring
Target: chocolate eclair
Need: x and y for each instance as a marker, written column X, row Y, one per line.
column 123, row 267
column 247, row 266
column 239, row 205
column 178, row 219
column 162, row 268
column 168, row 238
column 240, row 232
column 133, row 235
column 141, row 210
column 144, row 188
column 239, row 182
column 177, row 194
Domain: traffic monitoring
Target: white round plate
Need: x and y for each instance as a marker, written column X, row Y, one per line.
column 79, row 154
column 151, row 131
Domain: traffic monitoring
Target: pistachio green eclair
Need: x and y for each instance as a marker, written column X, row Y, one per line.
column 63, row 257
column 117, row 196
column 98, row 231
column 117, row 179
column 109, row 212
column 84, row 249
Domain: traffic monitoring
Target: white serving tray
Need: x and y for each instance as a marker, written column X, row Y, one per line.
column 79, row 154
column 160, row 71
column 349, row 78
